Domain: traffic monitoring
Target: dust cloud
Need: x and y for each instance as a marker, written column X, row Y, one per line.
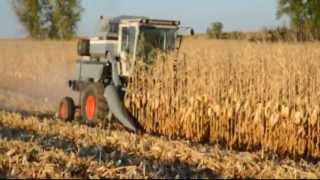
column 34, row 74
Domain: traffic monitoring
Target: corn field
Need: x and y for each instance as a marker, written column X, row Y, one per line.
column 257, row 97
column 202, row 112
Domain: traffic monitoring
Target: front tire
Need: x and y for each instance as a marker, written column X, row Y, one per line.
column 94, row 107
column 66, row 109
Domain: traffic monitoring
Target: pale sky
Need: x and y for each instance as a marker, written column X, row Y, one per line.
column 244, row 15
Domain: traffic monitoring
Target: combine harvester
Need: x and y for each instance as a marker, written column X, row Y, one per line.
column 106, row 63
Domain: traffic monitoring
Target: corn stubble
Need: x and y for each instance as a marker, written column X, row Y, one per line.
column 242, row 95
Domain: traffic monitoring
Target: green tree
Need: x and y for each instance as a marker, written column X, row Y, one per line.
column 215, row 30
column 28, row 13
column 54, row 19
column 304, row 17
column 313, row 7
column 65, row 15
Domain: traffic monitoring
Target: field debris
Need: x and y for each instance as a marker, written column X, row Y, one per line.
column 94, row 153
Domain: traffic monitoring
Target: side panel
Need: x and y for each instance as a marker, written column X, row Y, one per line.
column 98, row 48
column 86, row 70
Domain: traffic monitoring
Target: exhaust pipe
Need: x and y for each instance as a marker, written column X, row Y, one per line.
column 118, row 109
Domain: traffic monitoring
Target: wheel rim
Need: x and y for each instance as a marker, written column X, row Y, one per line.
column 62, row 111
column 90, row 107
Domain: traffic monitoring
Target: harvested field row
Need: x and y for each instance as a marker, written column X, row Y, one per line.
column 153, row 155
column 185, row 158
column 255, row 98
column 28, row 160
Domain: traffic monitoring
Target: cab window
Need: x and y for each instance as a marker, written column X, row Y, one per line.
column 128, row 39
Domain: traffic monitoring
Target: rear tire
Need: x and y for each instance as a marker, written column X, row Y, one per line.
column 94, row 107
column 66, row 109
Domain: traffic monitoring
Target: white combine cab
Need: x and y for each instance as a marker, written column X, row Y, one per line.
column 122, row 35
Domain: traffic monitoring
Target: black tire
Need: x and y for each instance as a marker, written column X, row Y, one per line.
column 94, row 107
column 66, row 109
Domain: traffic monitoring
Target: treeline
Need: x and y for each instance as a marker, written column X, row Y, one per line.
column 277, row 34
column 304, row 16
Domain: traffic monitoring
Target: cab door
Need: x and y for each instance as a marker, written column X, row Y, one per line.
column 128, row 44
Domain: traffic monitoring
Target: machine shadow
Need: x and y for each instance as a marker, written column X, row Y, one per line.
column 27, row 113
